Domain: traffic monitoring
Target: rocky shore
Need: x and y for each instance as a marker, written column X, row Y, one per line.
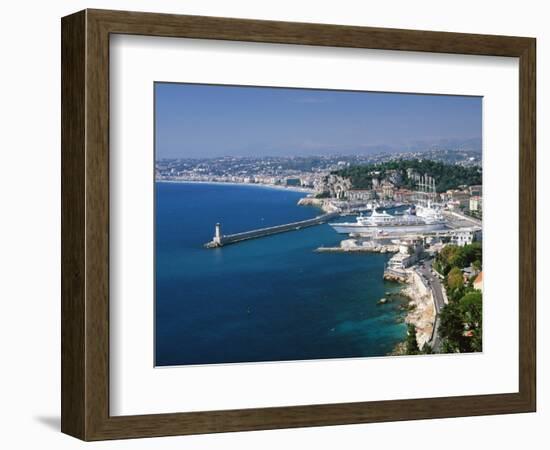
column 421, row 311
column 420, row 306
column 325, row 204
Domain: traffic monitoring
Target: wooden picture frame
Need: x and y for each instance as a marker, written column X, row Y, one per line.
column 85, row 224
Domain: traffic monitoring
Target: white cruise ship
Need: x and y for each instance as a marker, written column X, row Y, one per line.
column 420, row 219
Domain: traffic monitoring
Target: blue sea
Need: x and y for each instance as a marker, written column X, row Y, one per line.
column 269, row 299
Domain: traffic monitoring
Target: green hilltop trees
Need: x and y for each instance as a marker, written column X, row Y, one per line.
column 447, row 176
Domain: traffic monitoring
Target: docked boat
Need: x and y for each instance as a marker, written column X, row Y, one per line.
column 415, row 220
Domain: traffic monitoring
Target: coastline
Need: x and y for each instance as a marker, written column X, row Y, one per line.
column 180, row 259
column 234, row 183
column 420, row 311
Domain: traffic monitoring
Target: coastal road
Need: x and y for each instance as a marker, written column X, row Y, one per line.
column 424, row 269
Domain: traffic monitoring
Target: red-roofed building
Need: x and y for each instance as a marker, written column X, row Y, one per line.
column 478, row 282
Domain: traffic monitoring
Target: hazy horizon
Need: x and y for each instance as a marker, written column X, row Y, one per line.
column 209, row 121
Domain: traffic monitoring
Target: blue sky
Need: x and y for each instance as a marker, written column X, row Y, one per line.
column 211, row 120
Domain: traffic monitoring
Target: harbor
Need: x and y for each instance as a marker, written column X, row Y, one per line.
column 373, row 236
column 412, row 232
column 254, row 284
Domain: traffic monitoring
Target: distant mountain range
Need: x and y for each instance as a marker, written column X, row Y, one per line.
column 468, row 145
column 473, row 145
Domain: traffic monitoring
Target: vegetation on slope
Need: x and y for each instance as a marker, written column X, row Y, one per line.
column 447, row 176
column 461, row 320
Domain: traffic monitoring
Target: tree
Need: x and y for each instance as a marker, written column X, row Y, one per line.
column 412, row 344
column 461, row 324
column 449, row 257
column 455, row 256
column 461, row 320
column 451, row 328
column 455, row 283
column 324, row 194
column 471, row 309
column 446, row 176
column 476, row 341
column 472, row 253
column 472, row 314
column 427, row 349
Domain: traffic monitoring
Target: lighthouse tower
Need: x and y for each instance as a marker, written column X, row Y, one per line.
column 218, row 235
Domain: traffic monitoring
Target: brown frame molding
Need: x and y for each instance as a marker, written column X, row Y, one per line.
column 85, row 224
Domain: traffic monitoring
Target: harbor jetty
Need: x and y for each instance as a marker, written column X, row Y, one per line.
column 360, row 246
column 219, row 239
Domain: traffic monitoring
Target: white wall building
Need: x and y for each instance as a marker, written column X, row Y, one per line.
column 408, row 254
column 360, row 194
column 465, row 236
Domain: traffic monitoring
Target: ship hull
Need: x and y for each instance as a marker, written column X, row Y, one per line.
column 347, row 228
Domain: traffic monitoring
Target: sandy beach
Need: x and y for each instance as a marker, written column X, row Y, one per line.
column 233, row 183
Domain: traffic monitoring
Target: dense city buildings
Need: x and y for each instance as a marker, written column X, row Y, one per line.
column 346, row 178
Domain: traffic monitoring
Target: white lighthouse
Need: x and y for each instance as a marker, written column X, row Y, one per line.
column 218, row 235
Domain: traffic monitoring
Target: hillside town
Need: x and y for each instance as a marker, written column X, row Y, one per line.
column 325, row 177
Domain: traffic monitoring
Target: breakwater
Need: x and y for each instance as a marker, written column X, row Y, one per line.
column 219, row 239
column 360, row 245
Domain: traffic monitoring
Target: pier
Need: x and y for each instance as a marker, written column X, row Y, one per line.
column 220, row 239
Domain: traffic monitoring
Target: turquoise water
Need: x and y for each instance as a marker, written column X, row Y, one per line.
column 269, row 299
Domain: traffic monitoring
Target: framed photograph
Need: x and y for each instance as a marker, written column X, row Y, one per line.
column 270, row 225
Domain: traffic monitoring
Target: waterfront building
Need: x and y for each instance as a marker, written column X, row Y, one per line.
column 387, row 190
column 293, row 182
column 337, row 186
column 307, row 181
column 360, row 195
column 453, row 205
column 476, row 190
column 404, row 195
column 459, row 199
column 465, row 236
column 476, row 203
column 408, row 254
